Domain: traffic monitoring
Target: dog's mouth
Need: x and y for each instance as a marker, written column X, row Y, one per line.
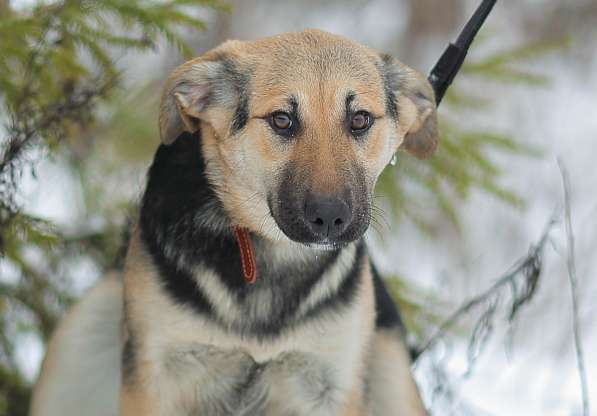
column 324, row 246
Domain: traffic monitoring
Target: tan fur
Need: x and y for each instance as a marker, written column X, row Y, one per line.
column 391, row 384
column 134, row 402
column 185, row 362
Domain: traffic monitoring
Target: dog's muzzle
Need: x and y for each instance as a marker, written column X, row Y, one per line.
column 327, row 216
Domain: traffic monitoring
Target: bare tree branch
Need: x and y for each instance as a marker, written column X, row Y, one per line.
column 528, row 266
column 572, row 277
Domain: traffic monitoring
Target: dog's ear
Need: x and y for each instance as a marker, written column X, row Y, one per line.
column 411, row 101
column 192, row 90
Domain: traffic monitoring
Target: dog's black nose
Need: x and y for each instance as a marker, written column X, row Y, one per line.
column 328, row 216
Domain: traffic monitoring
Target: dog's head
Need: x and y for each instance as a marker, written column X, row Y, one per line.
column 297, row 128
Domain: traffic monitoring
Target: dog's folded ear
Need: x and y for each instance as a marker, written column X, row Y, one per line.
column 192, row 90
column 185, row 98
column 412, row 103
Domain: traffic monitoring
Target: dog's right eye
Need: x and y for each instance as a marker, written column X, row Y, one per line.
column 281, row 122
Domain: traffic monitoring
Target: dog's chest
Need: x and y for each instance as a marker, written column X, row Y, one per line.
column 337, row 338
column 187, row 357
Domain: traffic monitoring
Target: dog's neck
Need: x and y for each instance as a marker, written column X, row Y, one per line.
column 191, row 240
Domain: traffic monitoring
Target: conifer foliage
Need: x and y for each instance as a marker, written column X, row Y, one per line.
column 57, row 66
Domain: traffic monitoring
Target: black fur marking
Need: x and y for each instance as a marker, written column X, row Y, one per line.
column 241, row 83
column 173, row 195
column 179, row 283
column 348, row 111
column 290, row 287
column 348, row 287
column 289, row 207
column 128, row 360
column 387, row 314
column 295, row 113
column 184, row 227
column 391, row 83
column 348, row 101
column 294, row 106
column 241, row 116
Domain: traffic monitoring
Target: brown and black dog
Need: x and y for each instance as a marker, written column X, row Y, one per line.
column 247, row 288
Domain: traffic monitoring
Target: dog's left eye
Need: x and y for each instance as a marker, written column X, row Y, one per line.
column 361, row 122
column 281, row 121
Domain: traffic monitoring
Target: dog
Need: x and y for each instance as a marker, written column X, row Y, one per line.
column 247, row 287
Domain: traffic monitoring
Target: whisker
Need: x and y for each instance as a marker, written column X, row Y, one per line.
column 375, row 227
column 380, row 215
column 250, row 198
column 263, row 221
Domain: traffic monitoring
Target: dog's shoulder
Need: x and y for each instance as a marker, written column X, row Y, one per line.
column 83, row 358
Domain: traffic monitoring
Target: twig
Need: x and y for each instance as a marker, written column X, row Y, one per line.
column 528, row 265
column 572, row 277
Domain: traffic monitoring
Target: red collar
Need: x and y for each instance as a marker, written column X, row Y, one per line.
column 247, row 255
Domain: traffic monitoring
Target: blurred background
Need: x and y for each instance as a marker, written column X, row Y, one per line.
column 497, row 292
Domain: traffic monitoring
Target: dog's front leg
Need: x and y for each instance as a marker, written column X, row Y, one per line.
column 294, row 384
column 196, row 380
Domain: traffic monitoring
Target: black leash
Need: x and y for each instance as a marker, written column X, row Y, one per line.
column 449, row 64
